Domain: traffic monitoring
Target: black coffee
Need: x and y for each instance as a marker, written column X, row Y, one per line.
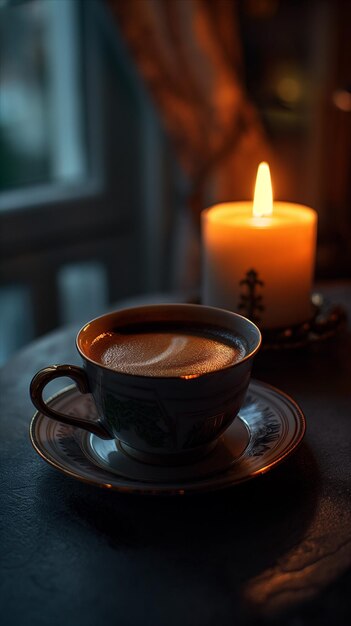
column 167, row 349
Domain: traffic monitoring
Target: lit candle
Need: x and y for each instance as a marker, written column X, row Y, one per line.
column 258, row 258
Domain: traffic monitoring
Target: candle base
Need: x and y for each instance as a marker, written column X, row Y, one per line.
column 326, row 321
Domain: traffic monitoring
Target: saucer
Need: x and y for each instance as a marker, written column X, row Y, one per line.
column 269, row 427
column 112, row 456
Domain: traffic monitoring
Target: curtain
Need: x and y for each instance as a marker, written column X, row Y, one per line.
column 189, row 54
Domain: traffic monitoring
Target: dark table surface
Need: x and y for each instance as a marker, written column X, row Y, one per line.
column 274, row 550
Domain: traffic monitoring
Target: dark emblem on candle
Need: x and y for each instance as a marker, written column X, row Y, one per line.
column 251, row 302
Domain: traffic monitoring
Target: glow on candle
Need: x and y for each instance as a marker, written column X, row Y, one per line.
column 259, row 261
column 263, row 196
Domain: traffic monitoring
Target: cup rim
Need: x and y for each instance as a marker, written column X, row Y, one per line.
column 180, row 305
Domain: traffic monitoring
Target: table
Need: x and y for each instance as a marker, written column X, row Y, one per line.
column 273, row 550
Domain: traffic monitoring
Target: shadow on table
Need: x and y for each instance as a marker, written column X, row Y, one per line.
column 236, row 533
column 197, row 553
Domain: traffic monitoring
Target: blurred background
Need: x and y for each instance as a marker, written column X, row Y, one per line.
column 121, row 119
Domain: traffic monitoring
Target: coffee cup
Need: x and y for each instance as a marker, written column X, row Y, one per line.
column 167, row 379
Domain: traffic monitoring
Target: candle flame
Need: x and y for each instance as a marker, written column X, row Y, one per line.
column 263, row 196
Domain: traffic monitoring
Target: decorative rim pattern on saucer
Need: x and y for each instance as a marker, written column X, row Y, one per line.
column 275, row 423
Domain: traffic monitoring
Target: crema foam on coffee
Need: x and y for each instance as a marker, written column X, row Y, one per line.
column 166, row 351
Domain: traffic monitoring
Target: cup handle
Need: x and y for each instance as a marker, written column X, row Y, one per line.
column 44, row 376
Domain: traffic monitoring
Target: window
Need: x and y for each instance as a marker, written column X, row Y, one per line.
column 81, row 160
column 41, row 108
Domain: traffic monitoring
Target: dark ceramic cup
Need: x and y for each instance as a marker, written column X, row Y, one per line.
column 158, row 419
